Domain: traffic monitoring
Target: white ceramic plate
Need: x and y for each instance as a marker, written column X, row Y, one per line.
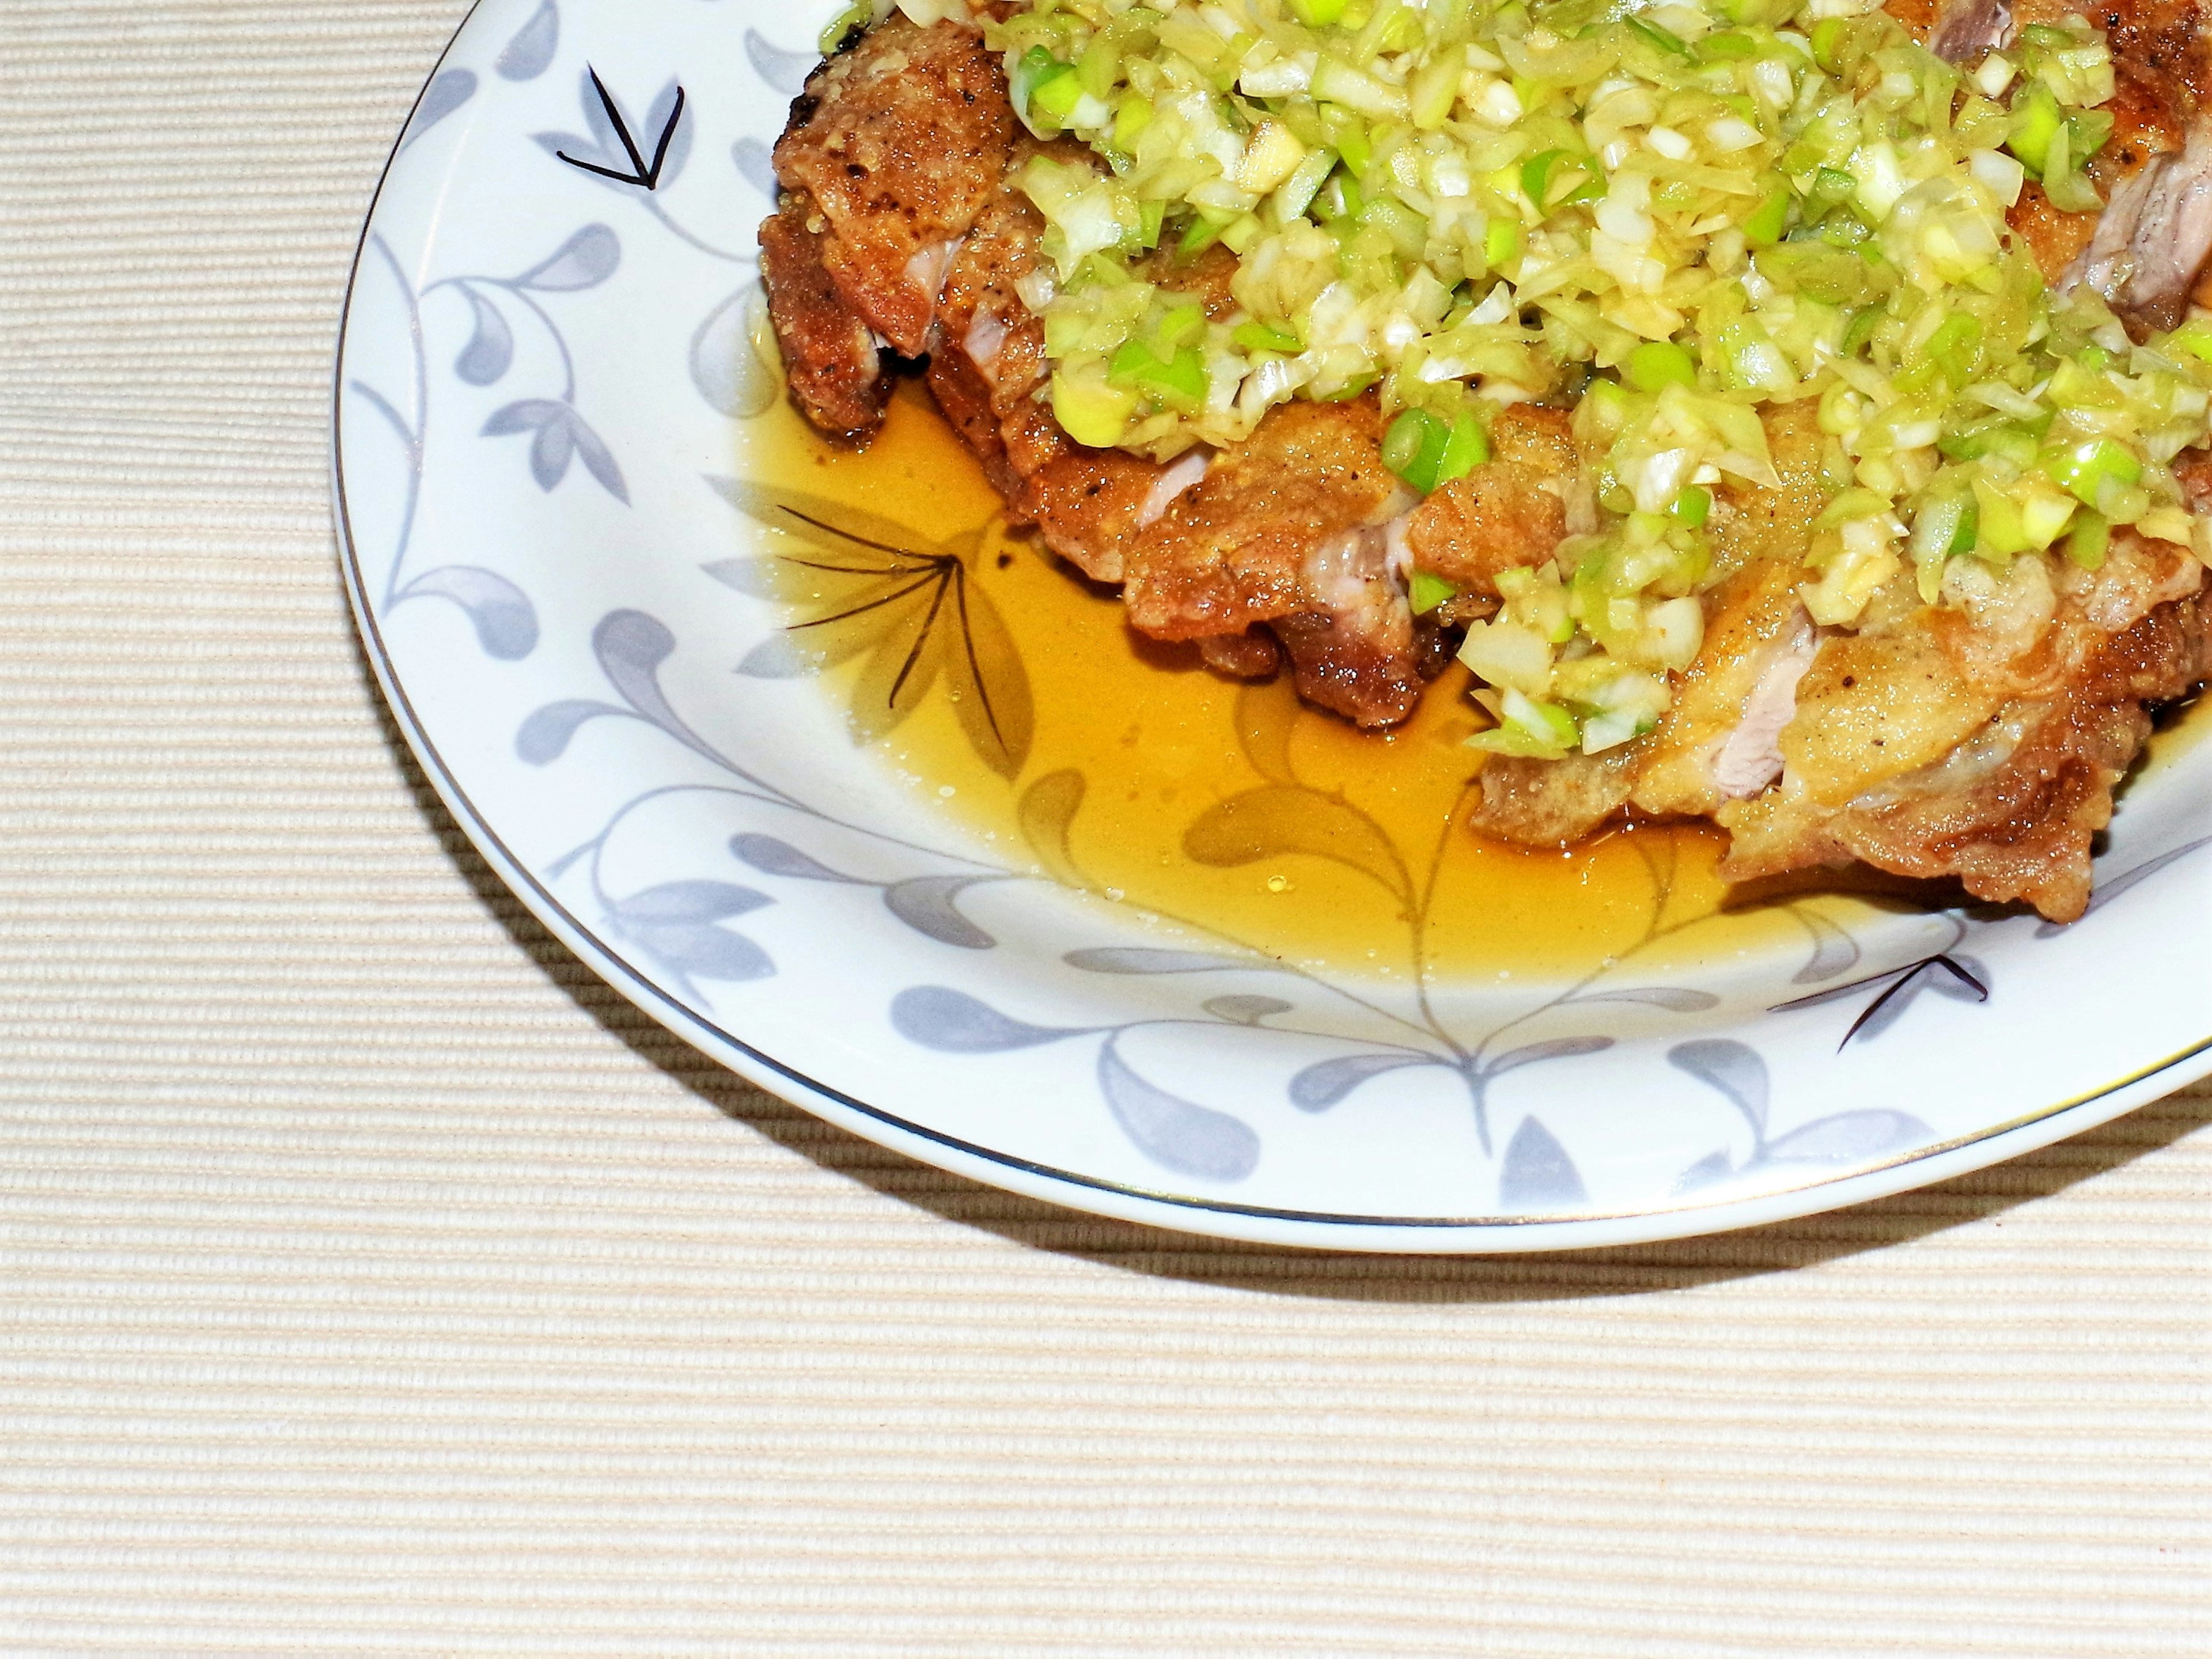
column 554, row 504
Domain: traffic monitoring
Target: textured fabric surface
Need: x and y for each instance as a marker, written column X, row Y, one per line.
column 373, row 1280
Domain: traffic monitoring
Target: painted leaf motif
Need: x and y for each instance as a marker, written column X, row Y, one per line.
column 690, row 901
column 1276, row 820
column 1537, row 1174
column 1734, row 1069
column 1267, row 713
column 1554, row 1048
column 595, row 118
column 953, row 1023
column 779, row 657
column 490, row 351
column 925, row 903
column 725, row 363
column 1141, row 959
column 787, row 71
column 1675, row 999
column 1847, row 1137
column 1322, row 1085
column 656, row 122
column 919, row 616
column 445, row 95
column 1245, row 1010
column 751, row 158
column 631, row 646
column 702, row 951
column 1046, row 813
column 584, row 260
column 558, row 435
column 526, row 415
column 1943, row 974
column 754, row 575
column 505, row 621
column 544, row 735
column 529, row 53
column 832, row 525
column 1174, row 1132
column 596, row 459
column 551, row 450
column 774, row 857
column 1834, row 951
column 990, row 686
column 903, row 659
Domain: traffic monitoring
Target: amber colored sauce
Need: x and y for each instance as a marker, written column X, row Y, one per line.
column 1159, row 740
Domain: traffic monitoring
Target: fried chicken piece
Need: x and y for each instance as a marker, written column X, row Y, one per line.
column 830, row 360
column 1291, row 528
column 1353, row 649
column 1721, row 739
column 1509, row 512
column 1278, row 539
column 1982, row 746
column 1534, row 803
column 900, row 140
column 2011, row 812
column 1088, row 504
column 2154, row 238
column 1231, row 550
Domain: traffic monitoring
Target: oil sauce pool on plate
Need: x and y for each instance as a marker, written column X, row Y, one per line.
column 1231, row 807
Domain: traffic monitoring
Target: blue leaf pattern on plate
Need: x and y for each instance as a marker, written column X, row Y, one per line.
column 445, row 95
column 1121, row 959
column 726, row 367
column 1176, row 1133
column 691, row 901
column 772, row 856
column 1320, row 1086
column 529, row 53
column 925, row 904
column 952, row 1022
column 490, row 351
column 506, row 623
column 558, row 435
column 1537, row 1174
column 543, row 738
column 584, row 260
column 787, row 71
column 1733, row 1069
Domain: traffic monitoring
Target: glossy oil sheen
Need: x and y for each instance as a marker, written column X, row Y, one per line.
column 1183, row 771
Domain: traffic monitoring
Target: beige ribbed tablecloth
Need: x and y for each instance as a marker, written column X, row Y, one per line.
column 373, row 1279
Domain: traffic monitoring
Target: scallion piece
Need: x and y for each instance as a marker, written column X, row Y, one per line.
column 1413, row 449
column 1428, row 592
column 2082, row 467
column 1658, row 364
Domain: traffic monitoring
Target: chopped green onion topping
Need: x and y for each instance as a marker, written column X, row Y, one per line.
column 1428, row 592
column 2084, row 467
column 1677, row 221
column 1691, row 508
column 1659, row 363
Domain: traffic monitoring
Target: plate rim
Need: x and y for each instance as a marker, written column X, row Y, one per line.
column 1068, row 1189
